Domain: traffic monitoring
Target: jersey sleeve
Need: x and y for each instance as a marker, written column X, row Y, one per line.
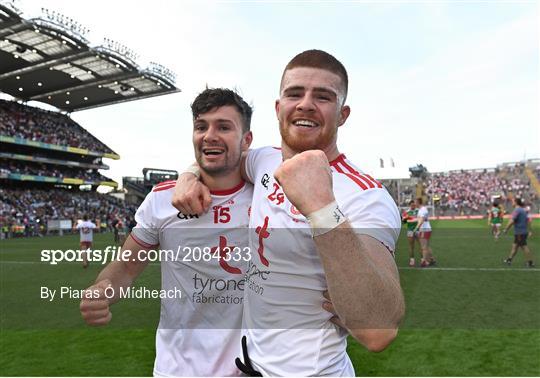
column 255, row 160
column 146, row 232
column 374, row 213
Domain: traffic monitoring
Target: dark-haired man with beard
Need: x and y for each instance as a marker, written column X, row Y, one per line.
column 199, row 332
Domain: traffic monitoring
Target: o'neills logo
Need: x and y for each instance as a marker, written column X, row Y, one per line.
column 217, row 290
column 254, row 278
column 295, row 211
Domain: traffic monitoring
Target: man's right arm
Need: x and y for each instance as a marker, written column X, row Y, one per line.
column 191, row 196
column 95, row 305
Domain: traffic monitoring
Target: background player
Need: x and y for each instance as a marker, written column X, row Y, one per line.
column 495, row 219
column 86, row 230
column 424, row 234
column 199, row 334
column 521, row 224
column 410, row 218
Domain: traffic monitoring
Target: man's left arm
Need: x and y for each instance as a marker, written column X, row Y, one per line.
column 363, row 284
column 361, row 275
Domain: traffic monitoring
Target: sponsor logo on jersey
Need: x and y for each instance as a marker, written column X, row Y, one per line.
column 183, row 216
column 265, row 180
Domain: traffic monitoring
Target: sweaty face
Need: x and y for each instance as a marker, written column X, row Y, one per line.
column 310, row 109
column 218, row 140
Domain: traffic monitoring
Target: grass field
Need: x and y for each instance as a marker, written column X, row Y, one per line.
column 469, row 316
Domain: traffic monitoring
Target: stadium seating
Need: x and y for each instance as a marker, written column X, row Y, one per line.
column 33, row 124
column 46, row 170
column 31, row 209
column 471, row 192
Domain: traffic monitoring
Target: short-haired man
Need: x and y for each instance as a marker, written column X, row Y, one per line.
column 423, row 227
column 410, row 218
column 199, row 333
column 521, row 224
column 317, row 223
column 86, row 231
column 495, row 219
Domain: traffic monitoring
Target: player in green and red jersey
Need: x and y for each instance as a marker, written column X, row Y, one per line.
column 495, row 219
column 410, row 217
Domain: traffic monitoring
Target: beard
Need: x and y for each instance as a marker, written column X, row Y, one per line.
column 313, row 142
column 228, row 163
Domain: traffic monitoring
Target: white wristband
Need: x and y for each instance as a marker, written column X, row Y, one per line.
column 193, row 169
column 325, row 219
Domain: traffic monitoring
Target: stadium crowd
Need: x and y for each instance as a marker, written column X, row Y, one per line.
column 25, row 212
column 39, row 125
column 31, row 168
column 472, row 192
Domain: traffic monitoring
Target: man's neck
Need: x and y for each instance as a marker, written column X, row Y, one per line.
column 218, row 183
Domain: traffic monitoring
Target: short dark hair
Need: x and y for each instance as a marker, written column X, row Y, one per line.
column 85, row 217
column 319, row 59
column 519, row 202
column 420, row 201
column 212, row 98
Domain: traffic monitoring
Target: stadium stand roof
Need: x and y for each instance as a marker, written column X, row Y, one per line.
column 50, row 60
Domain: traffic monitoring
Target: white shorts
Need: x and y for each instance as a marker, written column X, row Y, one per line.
column 412, row 234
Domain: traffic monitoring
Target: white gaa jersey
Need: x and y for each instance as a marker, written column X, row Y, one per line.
column 199, row 333
column 288, row 332
column 423, row 212
column 86, row 230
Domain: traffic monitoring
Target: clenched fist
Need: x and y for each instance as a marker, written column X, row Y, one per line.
column 190, row 195
column 306, row 180
column 95, row 306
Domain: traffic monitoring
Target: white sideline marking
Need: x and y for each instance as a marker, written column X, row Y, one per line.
column 400, row 268
column 473, row 269
column 60, row 263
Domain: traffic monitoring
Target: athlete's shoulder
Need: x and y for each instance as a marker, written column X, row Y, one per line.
column 165, row 185
column 267, row 151
column 351, row 176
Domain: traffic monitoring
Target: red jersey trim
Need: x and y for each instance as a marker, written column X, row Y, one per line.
column 227, row 192
column 363, row 180
column 168, row 182
column 163, row 187
column 340, row 158
column 357, row 181
column 141, row 243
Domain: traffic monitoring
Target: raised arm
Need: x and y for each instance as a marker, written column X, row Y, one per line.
column 191, row 196
column 362, row 278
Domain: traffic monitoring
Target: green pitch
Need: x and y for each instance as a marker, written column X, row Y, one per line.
column 470, row 316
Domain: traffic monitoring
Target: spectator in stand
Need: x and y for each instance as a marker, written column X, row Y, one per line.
column 39, row 125
column 39, row 206
column 48, row 170
column 470, row 192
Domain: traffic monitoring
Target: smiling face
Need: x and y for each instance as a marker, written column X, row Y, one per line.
column 310, row 109
column 218, row 140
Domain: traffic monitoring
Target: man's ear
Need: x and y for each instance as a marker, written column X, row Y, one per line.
column 276, row 106
column 247, row 138
column 344, row 114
